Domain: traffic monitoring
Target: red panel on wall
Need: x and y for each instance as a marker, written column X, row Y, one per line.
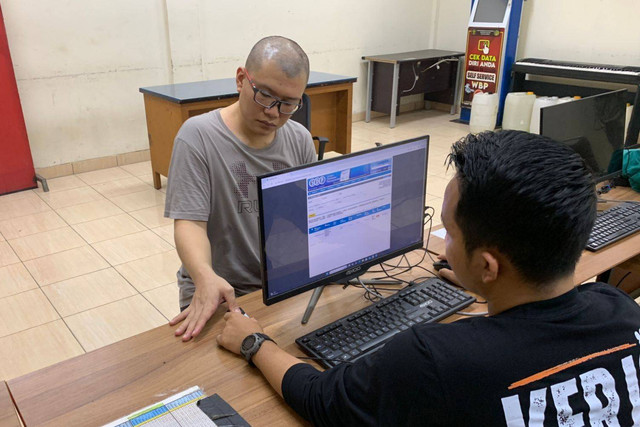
column 16, row 164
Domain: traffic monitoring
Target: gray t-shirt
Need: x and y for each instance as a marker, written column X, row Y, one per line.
column 212, row 178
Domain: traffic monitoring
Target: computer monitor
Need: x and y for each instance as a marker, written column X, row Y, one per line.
column 593, row 127
column 330, row 221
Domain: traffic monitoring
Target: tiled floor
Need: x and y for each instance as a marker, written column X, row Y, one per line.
column 93, row 261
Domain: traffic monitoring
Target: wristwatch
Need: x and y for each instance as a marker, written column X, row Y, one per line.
column 251, row 344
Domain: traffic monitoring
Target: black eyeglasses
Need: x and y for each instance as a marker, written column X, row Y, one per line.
column 267, row 100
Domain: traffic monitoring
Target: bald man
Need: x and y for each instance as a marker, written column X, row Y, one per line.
column 212, row 194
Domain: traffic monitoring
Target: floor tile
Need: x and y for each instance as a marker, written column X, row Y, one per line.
column 137, row 169
column 21, row 204
column 75, row 196
column 113, row 322
column 131, row 247
column 7, row 255
column 165, row 299
column 151, row 272
column 65, row 265
column 62, row 183
column 148, row 179
column 152, row 217
column 89, row 211
column 436, row 186
column 120, row 187
column 46, row 243
column 108, row 228
column 31, row 224
column 36, row 348
column 15, row 278
column 166, row 232
column 89, row 291
column 103, row 175
column 25, row 310
column 2, row 239
column 139, row 200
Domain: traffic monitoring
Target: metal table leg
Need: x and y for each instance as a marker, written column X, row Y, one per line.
column 367, row 117
column 394, row 95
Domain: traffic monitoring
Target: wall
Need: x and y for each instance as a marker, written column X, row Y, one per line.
column 79, row 63
column 597, row 31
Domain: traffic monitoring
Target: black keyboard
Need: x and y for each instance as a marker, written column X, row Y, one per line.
column 367, row 330
column 614, row 224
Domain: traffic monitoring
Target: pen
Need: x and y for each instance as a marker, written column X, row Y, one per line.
column 243, row 312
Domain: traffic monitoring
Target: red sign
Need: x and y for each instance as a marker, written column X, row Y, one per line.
column 482, row 63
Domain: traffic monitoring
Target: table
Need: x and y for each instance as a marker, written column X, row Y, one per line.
column 414, row 73
column 8, row 414
column 167, row 107
column 591, row 264
column 113, row 381
column 116, row 380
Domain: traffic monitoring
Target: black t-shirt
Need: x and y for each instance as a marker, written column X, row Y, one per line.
column 572, row 360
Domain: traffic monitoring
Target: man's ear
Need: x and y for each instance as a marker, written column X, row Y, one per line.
column 240, row 76
column 490, row 267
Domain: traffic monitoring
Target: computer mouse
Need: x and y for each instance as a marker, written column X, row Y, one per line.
column 438, row 265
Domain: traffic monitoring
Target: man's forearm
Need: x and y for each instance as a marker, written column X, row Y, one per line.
column 194, row 248
column 274, row 362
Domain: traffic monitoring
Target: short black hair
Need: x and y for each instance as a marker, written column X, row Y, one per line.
column 289, row 56
column 528, row 196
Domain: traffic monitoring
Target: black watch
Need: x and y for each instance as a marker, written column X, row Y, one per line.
column 251, row 344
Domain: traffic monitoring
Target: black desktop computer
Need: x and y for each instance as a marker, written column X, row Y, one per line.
column 594, row 128
column 330, row 221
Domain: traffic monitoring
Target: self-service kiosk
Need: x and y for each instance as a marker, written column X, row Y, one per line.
column 492, row 39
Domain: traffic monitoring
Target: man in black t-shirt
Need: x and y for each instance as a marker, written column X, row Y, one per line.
column 517, row 214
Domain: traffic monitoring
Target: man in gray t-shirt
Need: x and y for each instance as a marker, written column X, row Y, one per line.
column 212, row 179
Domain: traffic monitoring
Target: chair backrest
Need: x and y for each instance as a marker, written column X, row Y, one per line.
column 303, row 116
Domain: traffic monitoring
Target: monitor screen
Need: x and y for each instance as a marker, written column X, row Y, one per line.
column 490, row 11
column 593, row 127
column 331, row 220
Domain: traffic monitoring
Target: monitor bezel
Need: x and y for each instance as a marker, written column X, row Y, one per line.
column 549, row 109
column 345, row 274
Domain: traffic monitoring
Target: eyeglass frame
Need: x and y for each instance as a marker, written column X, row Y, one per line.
column 276, row 100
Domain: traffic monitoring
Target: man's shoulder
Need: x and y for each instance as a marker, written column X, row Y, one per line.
column 293, row 129
column 199, row 125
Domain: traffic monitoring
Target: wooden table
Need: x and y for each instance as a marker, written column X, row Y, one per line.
column 590, row 264
column 401, row 74
column 8, row 414
column 167, row 107
column 116, row 380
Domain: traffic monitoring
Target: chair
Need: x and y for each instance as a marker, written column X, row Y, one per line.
column 303, row 116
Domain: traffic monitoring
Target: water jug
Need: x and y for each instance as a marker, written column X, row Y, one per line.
column 517, row 110
column 484, row 111
column 540, row 102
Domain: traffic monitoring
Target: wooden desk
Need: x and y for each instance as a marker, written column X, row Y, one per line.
column 116, row 380
column 167, row 107
column 394, row 76
column 590, row 264
column 8, row 414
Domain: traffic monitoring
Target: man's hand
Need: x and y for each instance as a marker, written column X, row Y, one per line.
column 447, row 274
column 236, row 329
column 206, row 299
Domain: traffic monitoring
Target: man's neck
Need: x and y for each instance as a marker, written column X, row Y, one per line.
column 517, row 293
column 232, row 117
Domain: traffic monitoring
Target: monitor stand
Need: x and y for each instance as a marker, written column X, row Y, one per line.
column 318, row 291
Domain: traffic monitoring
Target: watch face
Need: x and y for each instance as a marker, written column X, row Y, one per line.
column 248, row 342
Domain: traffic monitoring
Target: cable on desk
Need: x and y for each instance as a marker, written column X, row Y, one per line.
column 466, row 313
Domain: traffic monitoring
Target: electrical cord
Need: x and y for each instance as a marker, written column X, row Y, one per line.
column 466, row 313
column 623, row 277
column 416, row 75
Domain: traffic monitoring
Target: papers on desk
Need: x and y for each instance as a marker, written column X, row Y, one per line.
column 440, row 233
column 178, row 410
